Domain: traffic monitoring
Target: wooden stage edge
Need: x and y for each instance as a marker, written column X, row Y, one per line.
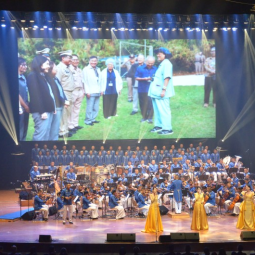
column 90, row 235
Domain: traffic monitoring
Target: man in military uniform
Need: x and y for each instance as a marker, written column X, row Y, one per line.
column 78, row 92
column 65, row 76
column 198, row 63
column 210, row 79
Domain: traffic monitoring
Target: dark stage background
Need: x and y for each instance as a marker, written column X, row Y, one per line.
column 235, row 86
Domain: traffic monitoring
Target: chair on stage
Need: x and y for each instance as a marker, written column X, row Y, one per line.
column 135, row 206
column 38, row 215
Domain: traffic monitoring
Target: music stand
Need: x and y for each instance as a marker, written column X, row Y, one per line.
column 80, row 177
column 240, row 176
column 165, row 176
column 212, row 169
column 115, row 179
column 160, row 180
column 241, row 169
column 176, row 169
column 241, row 182
column 44, row 171
column 197, row 168
column 203, row 177
column 232, row 170
column 129, row 179
column 112, row 185
column 252, row 176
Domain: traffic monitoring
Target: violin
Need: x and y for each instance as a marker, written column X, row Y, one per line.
column 206, row 197
column 235, row 200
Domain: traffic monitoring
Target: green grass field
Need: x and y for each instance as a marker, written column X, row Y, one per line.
column 189, row 119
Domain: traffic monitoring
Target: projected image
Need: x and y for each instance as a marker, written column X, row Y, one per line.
column 116, row 89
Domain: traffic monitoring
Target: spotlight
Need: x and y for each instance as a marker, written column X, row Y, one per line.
column 3, row 25
column 112, row 28
column 139, row 141
column 150, row 28
column 74, row 28
column 122, row 29
column 224, row 29
column 12, row 27
column 50, row 28
column 187, row 28
column 44, row 26
column 103, row 141
column 59, row 28
column 160, row 28
column 197, row 29
column 222, row 140
column 35, row 26
column 176, row 141
column 234, row 28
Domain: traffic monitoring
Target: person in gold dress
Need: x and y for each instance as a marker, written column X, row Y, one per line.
column 153, row 221
column 246, row 218
column 199, row 218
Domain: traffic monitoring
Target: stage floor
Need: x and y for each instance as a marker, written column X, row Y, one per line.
column 222, row 229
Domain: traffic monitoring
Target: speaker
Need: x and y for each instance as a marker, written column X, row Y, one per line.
column 28, row 215
column 164, row 238
column 193, row 237
column 125, row 237
column 247, row 235
column 163, row 210
column 113, row 237
column 130, row 237
column 177, row 236
column 53, row 210
column 45, row 239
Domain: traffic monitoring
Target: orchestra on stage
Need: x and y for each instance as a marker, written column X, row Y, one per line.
column 121, row 183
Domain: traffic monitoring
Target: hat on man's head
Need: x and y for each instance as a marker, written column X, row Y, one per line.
column 131, row 56
column 213, row 48
column 44, row 52
column 66, row 53
column 164, row 51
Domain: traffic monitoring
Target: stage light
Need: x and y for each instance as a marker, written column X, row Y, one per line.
column 59, row 28
column 139, row 141
column 234, row 28
column 74, row 28
column 45, row 27
column 150, row 28
column 160, row 28
column 35, row 26
column 187, row 28
column 32, row 21
column 166, row 29
column 3, row 25
column 50, row 28
column 224, row 29
column 23, row 20
column 12, row 27
column 122, row 29
column 222, row 140
column 176, row 141
column 113, row 28
column 103, row 141
column 198, row 29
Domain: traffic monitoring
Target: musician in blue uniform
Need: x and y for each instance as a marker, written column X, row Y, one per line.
column 211, row 200
column 209, row 165
column 120, row 151
column 75, row 151
column 89, row 207
column 235, row 180
column 60, row 204
column 138, row 152
column 155, row 179
column 221, row 170
column 126, row 172
column 40, row 159
column 47, row 158
column 100, row 159
column 67, row 196
column 56, row 159
column 78, row 192
column 117, row 159
column 129, row 152
column 113, row 203
column 39, row 205
column 45, row 149
column 215, row 156
column 102, row 150
column 134, row 160
column 64, row 158
column 232, row 163
column 81, row 160
column 54, row 150
column 108, row 159
column 161, row 156
column 205, row 156
column 52, row 168
column 144, row 157
column 136, row 174
column 184, row 157
column 72, row 157
column 123, row 178
column 153, row 168
column 192, row 156
column 93, row 149
column 154, row 157
column 129, row 167
column 64, row 149
column 231, row 194
column 71, row 175
column 35, row 152
column 173, row 166
column 177, row 187
column 144, row 208
column 113, row 174
column 108, row 179
column 34, row 173
column 112, row 152
column 85, row 152
column 155, row 150
column 91, row 158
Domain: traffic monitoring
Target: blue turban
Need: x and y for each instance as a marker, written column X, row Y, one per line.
column 164, row 51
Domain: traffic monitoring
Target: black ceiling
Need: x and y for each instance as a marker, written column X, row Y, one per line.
column 133, row 6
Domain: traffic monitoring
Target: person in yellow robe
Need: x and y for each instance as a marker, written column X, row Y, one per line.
column 153, row 221
column 199, row 218
column 246, row 218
